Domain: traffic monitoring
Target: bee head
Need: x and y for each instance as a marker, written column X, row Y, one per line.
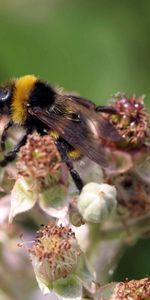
column 18, row 94
column 5, row 98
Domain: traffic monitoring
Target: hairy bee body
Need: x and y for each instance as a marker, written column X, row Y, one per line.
column 76, row 124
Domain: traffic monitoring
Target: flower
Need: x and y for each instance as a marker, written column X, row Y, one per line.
column 128, row 290
column 129, row 164
column 54, row 254
column 133, row 289
column 131, row 120
column 40, row 177
column 39, row 160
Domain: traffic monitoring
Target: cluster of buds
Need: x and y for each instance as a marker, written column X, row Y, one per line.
column 54, row 253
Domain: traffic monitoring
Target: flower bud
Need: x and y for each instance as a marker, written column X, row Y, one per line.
column 97, row 202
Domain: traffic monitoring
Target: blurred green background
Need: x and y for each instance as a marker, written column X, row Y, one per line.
column 96, row 48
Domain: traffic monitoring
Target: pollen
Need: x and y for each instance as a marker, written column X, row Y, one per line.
column 54, row 134
column 56, row 248
column 74, row 154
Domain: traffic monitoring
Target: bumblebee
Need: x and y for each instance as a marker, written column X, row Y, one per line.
column 75, row 123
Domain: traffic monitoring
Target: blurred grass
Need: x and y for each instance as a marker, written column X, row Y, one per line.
column 96, row 48
column 135, row 262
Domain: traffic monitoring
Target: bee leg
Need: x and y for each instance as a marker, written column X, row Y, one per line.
column 106, row 109
column 64, row 156
column 10, row 156
column 4, row 135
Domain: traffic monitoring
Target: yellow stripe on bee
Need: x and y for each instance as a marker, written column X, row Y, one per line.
column 74, row 154
column 54, row 134
column 22, row 90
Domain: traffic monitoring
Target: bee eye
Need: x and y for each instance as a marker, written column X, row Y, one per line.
column 4, row 94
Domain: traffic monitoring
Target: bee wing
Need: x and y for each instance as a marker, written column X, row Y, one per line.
column 81, row 134
column 105, row 128
column 81, row 101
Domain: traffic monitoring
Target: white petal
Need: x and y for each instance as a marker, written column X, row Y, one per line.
column 22, row 198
